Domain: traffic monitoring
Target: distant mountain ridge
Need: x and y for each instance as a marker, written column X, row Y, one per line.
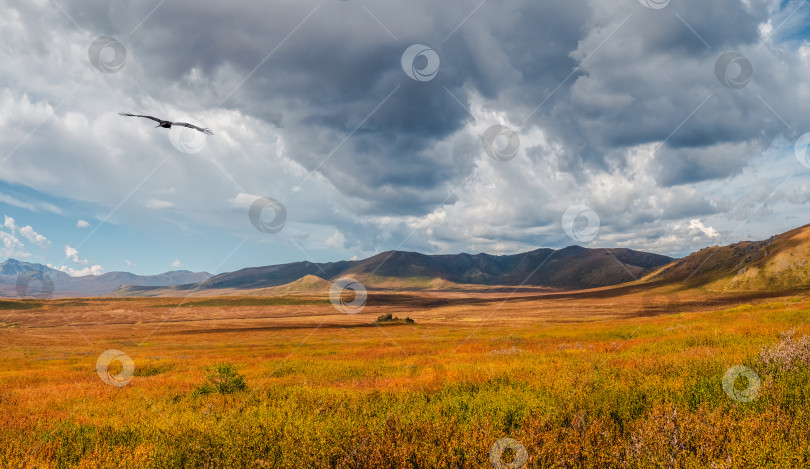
column 90, row 285
column 573, row 267
column 781, row 262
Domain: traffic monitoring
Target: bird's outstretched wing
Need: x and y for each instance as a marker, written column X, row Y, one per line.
column 192, row 126
column 138, row 115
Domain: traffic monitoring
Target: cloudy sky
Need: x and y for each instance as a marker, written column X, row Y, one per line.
column 441, row 127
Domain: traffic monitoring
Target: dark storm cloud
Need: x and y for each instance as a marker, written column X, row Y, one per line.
column 699, row 163
column 329, row 76
column 653, row 80
column 584, row 83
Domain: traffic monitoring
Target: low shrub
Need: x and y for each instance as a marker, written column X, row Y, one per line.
column 788, row 353
column 222, row 378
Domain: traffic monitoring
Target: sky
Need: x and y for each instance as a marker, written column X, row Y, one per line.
column 348, row 128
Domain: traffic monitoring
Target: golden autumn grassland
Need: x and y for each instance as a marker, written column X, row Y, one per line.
column 619, row 379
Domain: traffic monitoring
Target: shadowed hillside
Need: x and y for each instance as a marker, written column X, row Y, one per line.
column 778, row 263
column 571, row 268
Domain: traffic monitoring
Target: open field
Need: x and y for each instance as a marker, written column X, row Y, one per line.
column 607, row 378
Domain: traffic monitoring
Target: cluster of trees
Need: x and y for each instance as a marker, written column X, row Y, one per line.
column 391, row 318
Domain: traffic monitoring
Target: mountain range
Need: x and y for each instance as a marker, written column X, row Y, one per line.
column 781, row 262
column 573, row 267
column 11, row 271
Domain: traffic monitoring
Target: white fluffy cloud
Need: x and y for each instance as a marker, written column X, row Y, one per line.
column 72, row 254
column 89, row 270
column 82, row 224
column 697, row 227
column 176, row 264
column 13, row 247
column 34, row 237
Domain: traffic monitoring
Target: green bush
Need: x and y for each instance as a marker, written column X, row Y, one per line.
column 222, row 378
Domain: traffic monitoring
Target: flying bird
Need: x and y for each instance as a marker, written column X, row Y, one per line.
column 168, row 124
